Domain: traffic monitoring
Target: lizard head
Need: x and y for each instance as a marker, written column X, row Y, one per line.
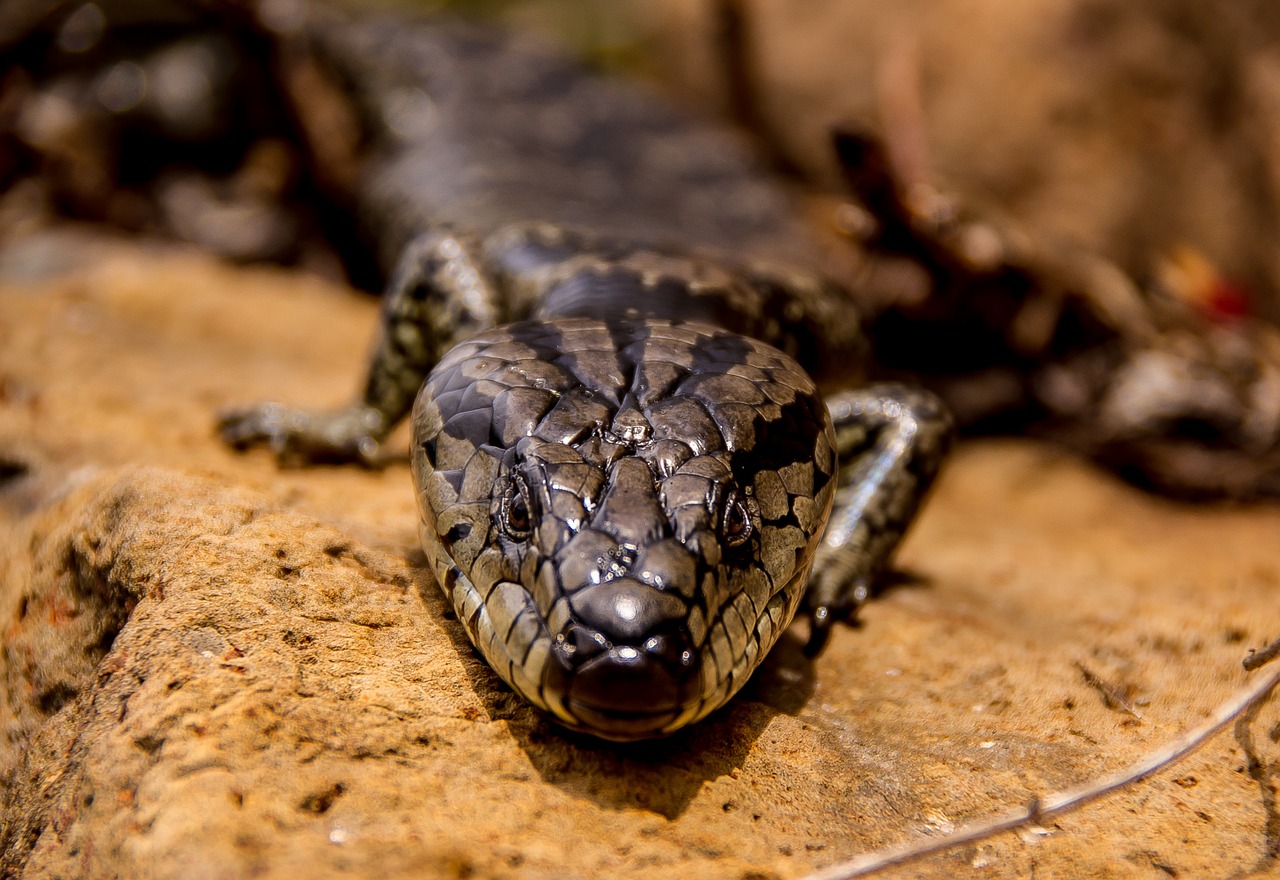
column 624, row 515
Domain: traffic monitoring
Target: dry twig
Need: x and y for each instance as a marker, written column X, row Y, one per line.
column 1110, row 695
column 1258, row 659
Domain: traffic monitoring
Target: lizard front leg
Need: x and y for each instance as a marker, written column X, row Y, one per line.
column 438, row 295
column 890, row 440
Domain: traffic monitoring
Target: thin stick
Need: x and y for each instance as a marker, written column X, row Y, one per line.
column 1065, row 801
column 1258, row 659
column 1109, row 694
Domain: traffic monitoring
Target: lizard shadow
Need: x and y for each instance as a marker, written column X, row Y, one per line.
column 664, row 776
column 894, row 580
column 660, row 776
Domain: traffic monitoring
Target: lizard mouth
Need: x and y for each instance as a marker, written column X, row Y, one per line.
column 626, row 693
column 624, row 685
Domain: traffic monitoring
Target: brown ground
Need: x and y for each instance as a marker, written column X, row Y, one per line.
column 285, row 695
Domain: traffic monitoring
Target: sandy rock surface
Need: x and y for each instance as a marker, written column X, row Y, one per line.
column 212, row 668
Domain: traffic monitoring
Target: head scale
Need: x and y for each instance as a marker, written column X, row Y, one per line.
column 624, row 515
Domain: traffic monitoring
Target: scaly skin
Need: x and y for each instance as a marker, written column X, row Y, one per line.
column 624, row 467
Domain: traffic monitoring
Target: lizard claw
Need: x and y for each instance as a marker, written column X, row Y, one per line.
column 825, row 615
column 819, row 631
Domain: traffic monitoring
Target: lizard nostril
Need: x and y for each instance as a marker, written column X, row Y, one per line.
column 578, row 644
column 673, row 651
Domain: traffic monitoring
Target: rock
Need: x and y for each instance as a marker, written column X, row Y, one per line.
column 213, row 668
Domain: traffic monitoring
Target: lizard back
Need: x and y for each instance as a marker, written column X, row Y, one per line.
column 482, row 129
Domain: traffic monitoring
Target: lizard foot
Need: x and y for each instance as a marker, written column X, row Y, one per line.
column 298, row 437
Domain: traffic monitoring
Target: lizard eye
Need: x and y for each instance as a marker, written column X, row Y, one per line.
column 513, row 514
column 735, row 521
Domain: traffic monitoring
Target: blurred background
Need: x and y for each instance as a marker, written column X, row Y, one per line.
column 1143, row 130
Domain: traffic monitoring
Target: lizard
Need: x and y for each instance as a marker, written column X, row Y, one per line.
column 628, row 477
